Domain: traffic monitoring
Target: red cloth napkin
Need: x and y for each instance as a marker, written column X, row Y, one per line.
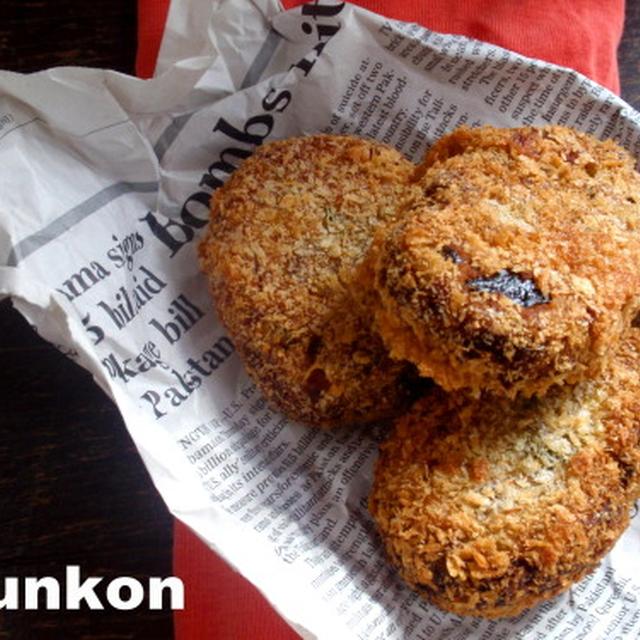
column 583, row 34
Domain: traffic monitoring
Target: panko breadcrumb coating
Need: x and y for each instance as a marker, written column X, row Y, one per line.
column 490, row 506
column 286, row 233
column 518, row 267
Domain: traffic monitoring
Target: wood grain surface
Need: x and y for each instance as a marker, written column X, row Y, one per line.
column 72, row 487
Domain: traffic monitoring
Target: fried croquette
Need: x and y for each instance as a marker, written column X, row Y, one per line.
column 489, row 506
column 518, row 267
column 286, row 233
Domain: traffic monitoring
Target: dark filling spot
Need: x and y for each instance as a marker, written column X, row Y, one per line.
column 317, row 383
column 431, row 192
column 572, row 156
column 382, row 278
column 635, row 323
column 491, row 343
column 627, row 473
column 528, row 570
column 451, row 254
column 440, row 573
column 313, row 348
column 591, row 168
column 521, row 290
column 411, row 384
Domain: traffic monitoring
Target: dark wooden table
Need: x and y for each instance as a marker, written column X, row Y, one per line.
column 72, row 487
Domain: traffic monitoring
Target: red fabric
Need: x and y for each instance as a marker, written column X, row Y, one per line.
column 219, row 603
column 152, row 15
column 583, row 34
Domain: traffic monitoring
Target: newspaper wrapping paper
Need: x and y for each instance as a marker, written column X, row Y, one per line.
column 105, row 183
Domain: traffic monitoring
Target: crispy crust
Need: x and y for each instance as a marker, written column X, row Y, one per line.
column 286, row 233
column 550, row 215
column 488, row 507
